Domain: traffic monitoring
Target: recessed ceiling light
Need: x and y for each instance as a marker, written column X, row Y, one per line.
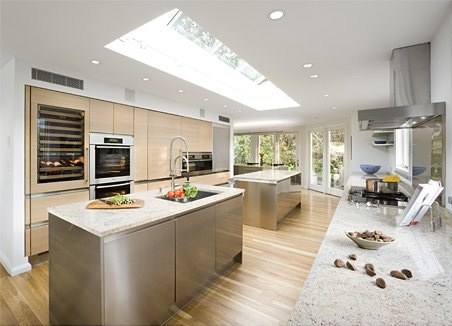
column 225, row 106
column 277, row 14
column 333, row 108
column 146, row 78
column 307, row 65
column 206, row 99
column 314, row 76
column 95, row 62
column 240, row 111
column 180, row 91
column 325, row 95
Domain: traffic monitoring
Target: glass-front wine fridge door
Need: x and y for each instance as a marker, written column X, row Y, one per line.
column 60, row 133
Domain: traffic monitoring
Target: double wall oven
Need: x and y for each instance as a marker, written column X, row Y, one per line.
column 111, row 165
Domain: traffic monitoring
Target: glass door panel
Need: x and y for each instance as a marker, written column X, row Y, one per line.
column 242, row 149
column 317, row 158
column 267, row 149
column 287, row 146
column 336, row 154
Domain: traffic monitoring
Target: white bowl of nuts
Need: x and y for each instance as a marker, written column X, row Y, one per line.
column 370, row 239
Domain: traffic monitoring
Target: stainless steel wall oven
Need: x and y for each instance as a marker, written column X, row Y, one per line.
column 199, row 163
column 111, row 165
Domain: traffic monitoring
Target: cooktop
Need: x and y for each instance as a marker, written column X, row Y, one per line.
column 361, row 195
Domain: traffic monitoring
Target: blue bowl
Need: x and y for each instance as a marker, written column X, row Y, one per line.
column 418, row 170
column 370, row 169
column 380, row 142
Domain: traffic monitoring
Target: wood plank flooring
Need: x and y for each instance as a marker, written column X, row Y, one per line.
column 261, row 291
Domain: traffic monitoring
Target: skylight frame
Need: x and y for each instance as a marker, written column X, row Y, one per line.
column 159, row 44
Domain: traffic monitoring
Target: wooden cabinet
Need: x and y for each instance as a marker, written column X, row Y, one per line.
column 111, row 118
column 123, row 119
column 59, row 133
column 161, row 129
column 140, row 187
column 101, row 116
column 190, row 131
column 140, row 133
column 39, row 239
column 39, row 205
column 205, row 143
column 211, row 179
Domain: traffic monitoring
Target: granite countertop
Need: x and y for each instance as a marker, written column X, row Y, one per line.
column 104, row 222
column 266, row 176
column 338, row 296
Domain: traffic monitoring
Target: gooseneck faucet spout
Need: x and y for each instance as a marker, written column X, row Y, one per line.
column 172, row 169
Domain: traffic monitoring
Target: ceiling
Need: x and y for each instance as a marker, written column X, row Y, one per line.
column 348, row 42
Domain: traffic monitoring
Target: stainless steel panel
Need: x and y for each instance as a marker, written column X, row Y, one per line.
column 260, row 204
column 139, row 276
column 229, row 232
column 195, row 253
column 75, row 284
column 289, row 197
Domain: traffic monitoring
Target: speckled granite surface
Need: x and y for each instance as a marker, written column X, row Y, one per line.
column 268, row 176
column 338, row 296
column 104, row 222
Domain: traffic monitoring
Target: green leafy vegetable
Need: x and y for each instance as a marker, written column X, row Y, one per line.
column 189, row 190
column 121, row 200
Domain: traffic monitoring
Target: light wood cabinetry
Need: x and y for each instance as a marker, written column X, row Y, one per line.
column 51, row 102
column 123, row 119
column 141, row 187
column 39, row 205
column 211, row 179
column 190, row 131
column 39, row 239
column 161, row 129
column 140, row 133
column 101, row 116
column 205, row 139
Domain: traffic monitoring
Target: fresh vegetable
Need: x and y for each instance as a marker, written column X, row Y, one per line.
column 178, row 192
column 190, row 191
column 170, row 194
column 121, row 200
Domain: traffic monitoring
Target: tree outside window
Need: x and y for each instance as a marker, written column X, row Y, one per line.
column 242, row 149
column 267, row 147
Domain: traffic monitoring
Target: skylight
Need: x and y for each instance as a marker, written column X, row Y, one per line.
column 177, row 45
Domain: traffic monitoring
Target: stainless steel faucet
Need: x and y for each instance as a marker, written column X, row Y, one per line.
column 172, row 163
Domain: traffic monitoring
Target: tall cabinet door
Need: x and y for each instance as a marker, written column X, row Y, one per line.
column 123, row 119
column 190, row 131
column 140, row 132
column 59, row 141
column 162, row 128
column 101, row 116
column 205, row 133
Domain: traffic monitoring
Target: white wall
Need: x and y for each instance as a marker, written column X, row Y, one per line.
column 14, row 76
column 441, row 76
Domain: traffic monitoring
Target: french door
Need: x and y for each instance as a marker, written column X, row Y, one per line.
column 327, row 160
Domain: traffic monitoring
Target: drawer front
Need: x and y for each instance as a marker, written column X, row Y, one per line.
column 39, row 239
column 142, row 187
column 39, row 205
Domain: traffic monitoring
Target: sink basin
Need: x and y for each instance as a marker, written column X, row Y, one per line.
column 201, row 194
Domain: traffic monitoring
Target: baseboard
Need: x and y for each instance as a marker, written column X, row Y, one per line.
column 13, row 270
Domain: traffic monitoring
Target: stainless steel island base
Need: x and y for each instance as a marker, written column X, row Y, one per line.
column 268, row 202
column 144, row 275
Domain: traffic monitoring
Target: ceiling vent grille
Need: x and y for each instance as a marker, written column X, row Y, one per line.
column 224, row 119
column 58, row 79
column 202, row 113
column 129, row 95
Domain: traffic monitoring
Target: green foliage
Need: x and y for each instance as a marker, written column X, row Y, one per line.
column 242, row 149
column 266, row 146
column 288, row 151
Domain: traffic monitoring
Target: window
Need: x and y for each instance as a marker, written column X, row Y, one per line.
column 242, row 149
column 403, row 149
column 287, row 149
column 177, row 45
column 267, row 149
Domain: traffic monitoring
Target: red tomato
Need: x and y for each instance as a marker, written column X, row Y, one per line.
column 182, row 195
column 170, row 194
column 178, row 192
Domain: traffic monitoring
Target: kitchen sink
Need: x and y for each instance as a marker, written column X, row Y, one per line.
column 200, row 195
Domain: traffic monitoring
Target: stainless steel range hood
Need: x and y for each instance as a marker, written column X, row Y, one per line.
column 410, row 93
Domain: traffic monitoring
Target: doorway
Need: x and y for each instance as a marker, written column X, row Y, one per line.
column 327, row 159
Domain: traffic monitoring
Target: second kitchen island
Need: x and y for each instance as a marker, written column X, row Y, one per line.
column 139, row 266
column 270, row 195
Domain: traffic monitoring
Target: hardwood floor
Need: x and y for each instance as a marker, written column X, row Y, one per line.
column 261, row 291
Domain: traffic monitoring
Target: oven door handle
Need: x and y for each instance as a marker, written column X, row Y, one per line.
column 114, row 147
column 115, row 185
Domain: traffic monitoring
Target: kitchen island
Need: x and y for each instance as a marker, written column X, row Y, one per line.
column 270, row 195
column 139, row 266
column 339, row 296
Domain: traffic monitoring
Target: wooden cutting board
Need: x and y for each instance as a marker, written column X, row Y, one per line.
column 97, row 204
